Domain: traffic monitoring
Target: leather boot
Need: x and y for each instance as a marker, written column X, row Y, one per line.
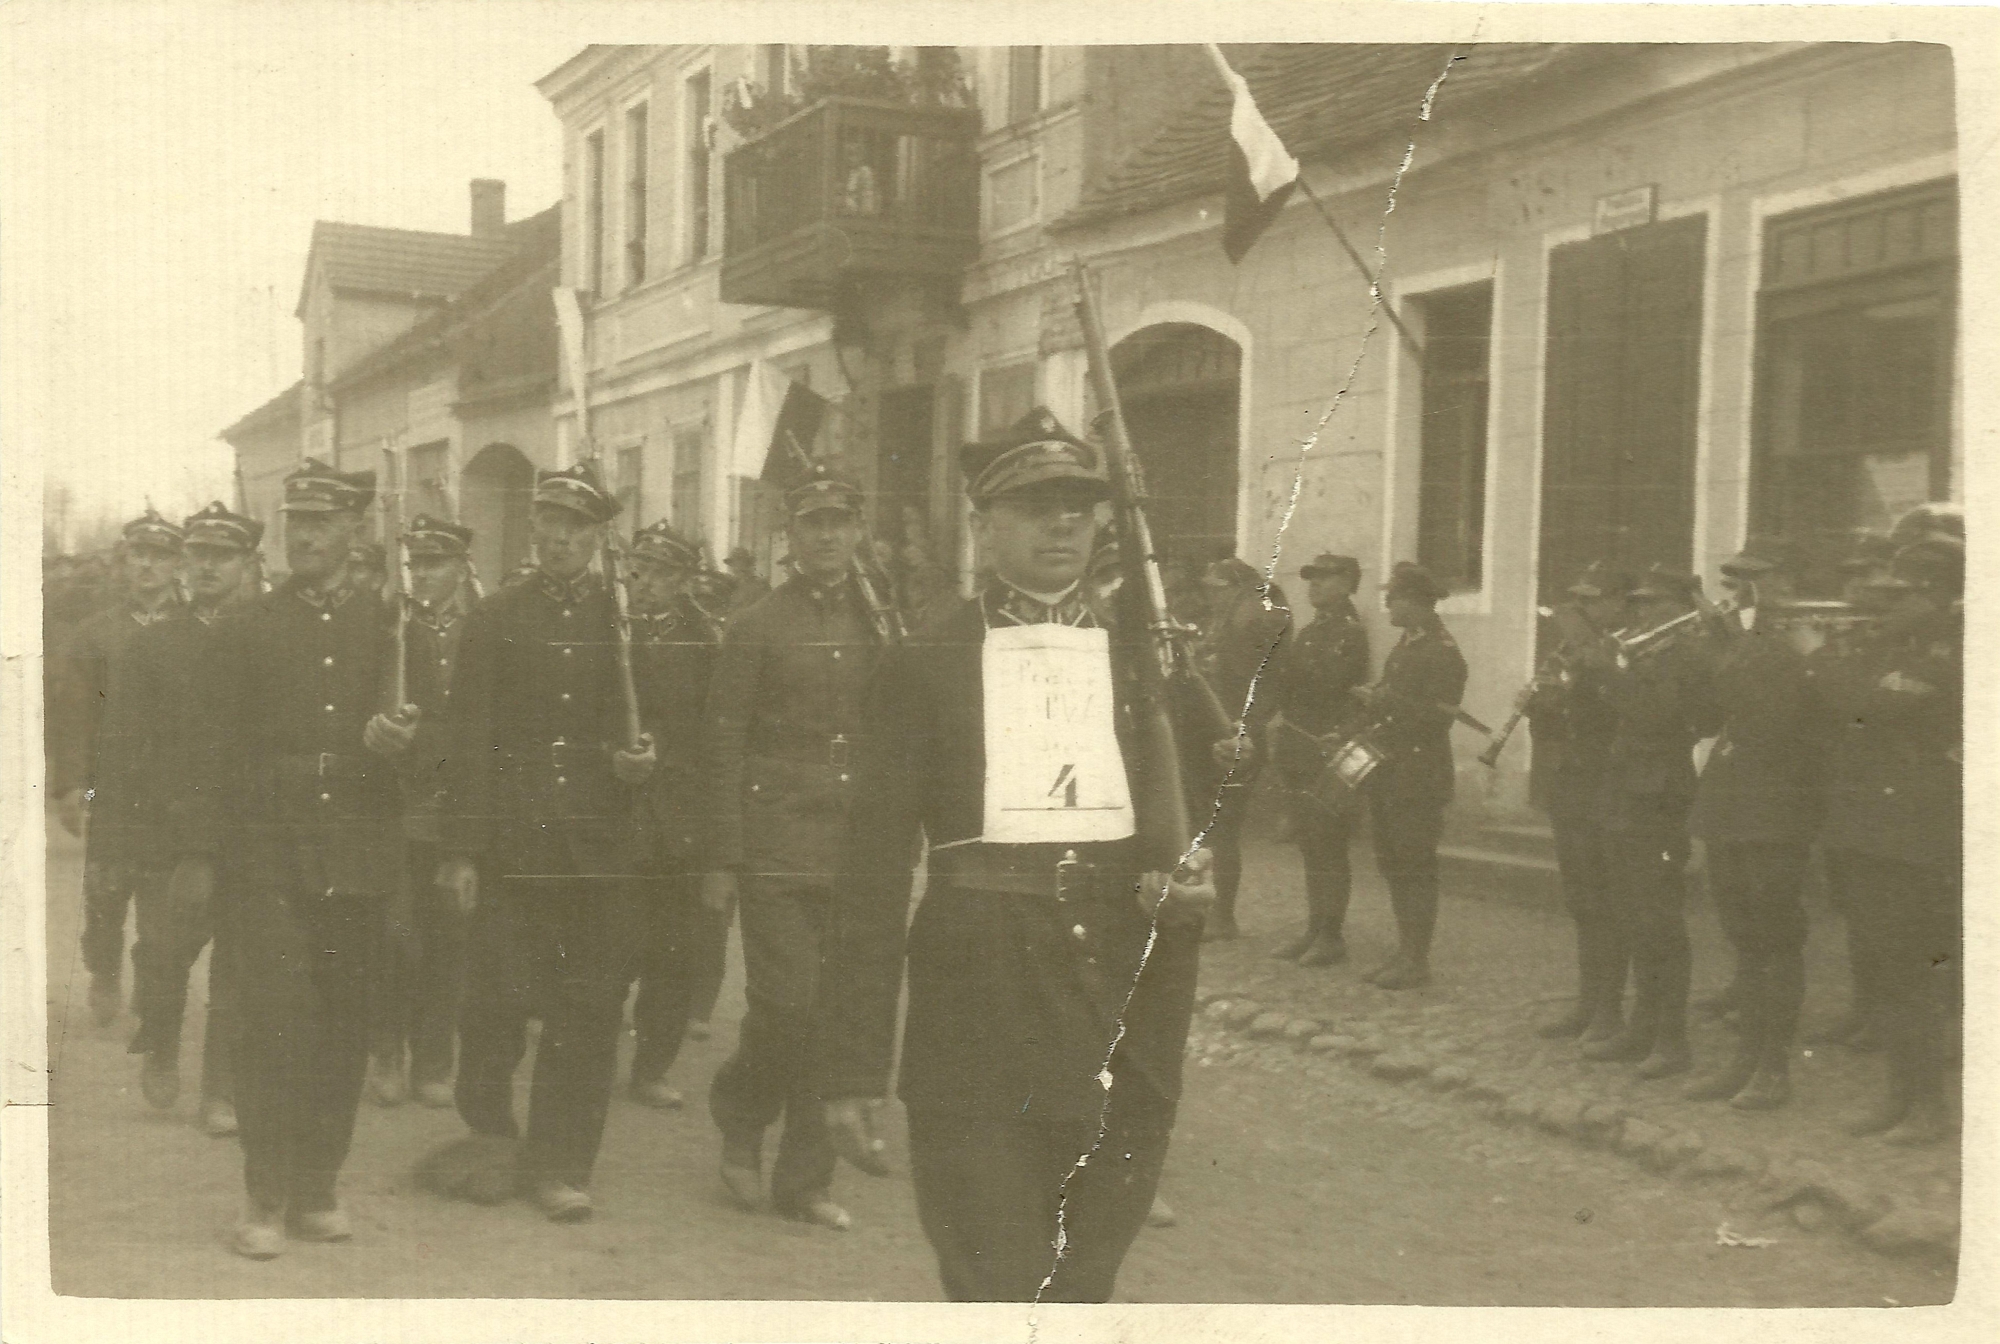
column 1768, row 1089
column 1668, row 1057
column 1326, row 950
column 1725, row 1082
column 1296, row 947
column 1405, row 972
column 1885, row 1113
column 1632, row 1043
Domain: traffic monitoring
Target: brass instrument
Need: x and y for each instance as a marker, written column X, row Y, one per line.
column 1646, row 643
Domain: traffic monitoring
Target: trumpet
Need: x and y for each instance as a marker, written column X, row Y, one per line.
column 1659, row 638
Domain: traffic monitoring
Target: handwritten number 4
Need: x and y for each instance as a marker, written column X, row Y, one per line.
column 1066, row 785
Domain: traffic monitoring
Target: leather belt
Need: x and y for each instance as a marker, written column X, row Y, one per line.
column 325, row 765
column 1045, row 871
column 835, row 751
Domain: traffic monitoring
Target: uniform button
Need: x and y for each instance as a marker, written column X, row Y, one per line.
column 836, row 655
column 326, row 615
column 562, row 779
column 565, row 697
column 843, row 779
column 567, row 650
column 326, row 797
column 329, row 709
column 1079, row 931
column 326, row 662
column 567, row 613
column 442, row 662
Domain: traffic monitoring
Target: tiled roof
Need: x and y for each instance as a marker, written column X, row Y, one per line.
column 1321, row 98
column 362, row 257
column 281, row 409
column 502, row 304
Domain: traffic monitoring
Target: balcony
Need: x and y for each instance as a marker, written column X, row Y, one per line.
column 845, row 190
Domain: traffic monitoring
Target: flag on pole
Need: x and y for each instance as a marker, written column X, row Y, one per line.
column 1262, row 172
column 776, row 428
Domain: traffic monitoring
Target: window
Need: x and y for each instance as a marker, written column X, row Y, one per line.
column 593, row 212
column 1024, row 83
column 635, row 195
column 695, row 190
column 690, row 445
column 424, row 481
column 1013, row 194
column 1451, row 493
column 630, row 487
column 1855, row 332
column 1005, row 395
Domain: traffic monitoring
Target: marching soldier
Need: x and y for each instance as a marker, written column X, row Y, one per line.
column 93, row 752
column 1314, row 692
column 1247, row 628
column 1894, row 704
column 785, row 711
column 423, row 964
column 1041, row 1029
column 540, row 766
column 1756, row 808
column 1649, row 786
column 1574, row 723
column 674, row 641
column 163, row 692
column 1414, row 705
column 297, row 808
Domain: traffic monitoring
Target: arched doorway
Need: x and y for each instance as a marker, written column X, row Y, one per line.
column 493, row 502
column 1180, row 384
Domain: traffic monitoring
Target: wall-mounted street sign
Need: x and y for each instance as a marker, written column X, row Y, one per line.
column 1626, row 209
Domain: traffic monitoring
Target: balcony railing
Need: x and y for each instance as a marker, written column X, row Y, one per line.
column 846, row 189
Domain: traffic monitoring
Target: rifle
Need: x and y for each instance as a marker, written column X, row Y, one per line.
column 622, row 627
column 399, row 669
column 1166, row 833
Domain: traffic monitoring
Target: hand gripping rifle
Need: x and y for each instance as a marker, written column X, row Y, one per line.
column 1166, row 834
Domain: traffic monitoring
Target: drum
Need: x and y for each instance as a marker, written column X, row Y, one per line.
column 1347, row 769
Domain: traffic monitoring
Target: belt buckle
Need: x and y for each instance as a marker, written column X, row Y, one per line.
column 320, row 765
column 836, row 751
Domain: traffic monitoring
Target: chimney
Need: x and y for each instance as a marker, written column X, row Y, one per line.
column 489, row 207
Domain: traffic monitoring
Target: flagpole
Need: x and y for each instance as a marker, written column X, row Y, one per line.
column 1233, row 79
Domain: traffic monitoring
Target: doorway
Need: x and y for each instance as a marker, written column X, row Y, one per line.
column 494, row 496
column 1180, row 386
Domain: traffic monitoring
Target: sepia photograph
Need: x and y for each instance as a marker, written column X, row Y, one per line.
column 1283, row 671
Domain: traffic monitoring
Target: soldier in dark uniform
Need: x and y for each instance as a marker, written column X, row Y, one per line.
column 673, row 653
column 299, row 806
column 1649, row 786
column 165, row 665
column 1572, row 718
column 93, row 752
column 1247, row 627
column 1413, row 706
column 785, row 711
column 1756, row 808
column 1895, row 789
column 540, row 765
column 1313, row 688
column 1028, row 958
column 423, row 980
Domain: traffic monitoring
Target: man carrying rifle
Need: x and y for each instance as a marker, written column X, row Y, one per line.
column 785, row 712
column 1045, row 1021
column 1570, row 712
column 674, row 647
column 1413, row 705
column 540, row 764
column 416, row 1007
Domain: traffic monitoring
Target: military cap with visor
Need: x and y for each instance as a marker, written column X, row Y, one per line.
column 1327, row 565
column 1034, row 451
column 822, row 491
column 1600, row 579
column 318, row 488
column 150, row 529
column 437, row 536
column 1411, row 582
column 577, row 489
column 660, row 544
column 219, row 527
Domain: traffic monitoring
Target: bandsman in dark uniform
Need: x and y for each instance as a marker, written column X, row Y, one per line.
column 298, row 808
column 541, row 768
column 1756, row 809
column 673, row 639
column 1574, row 723
column 94, row 761
column 423, row 980
column 1040, row 1029
column 164, row 693
column 1249, row 621
column 1649, row 786
column 1895, row 789
column 785, row 712
column 1313, row 689
column 1413, row 705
